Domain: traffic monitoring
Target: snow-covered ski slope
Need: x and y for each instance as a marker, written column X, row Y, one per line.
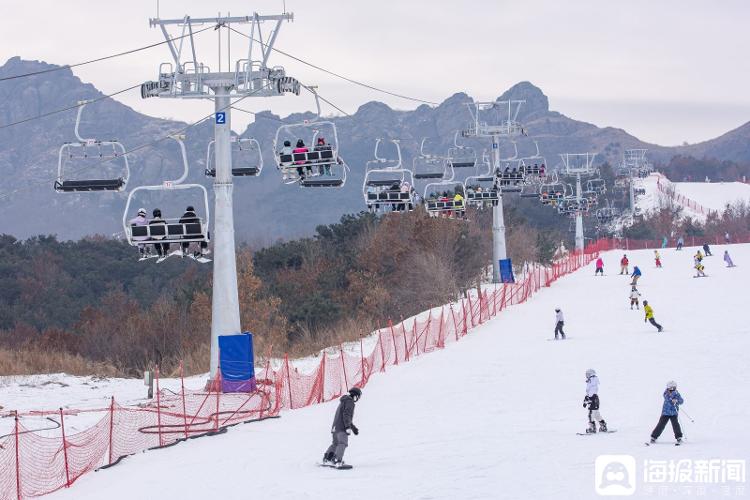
column 495, row 415
column 714, row 196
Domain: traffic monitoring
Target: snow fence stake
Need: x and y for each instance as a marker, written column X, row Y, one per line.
column 343, row 368
column 218, row 396
column 362, row 360
column 111, row 425
column 184, row 410
column 65, row 449
column 393, row 336
column 158, row 405
column 382, row 353
column 288, row 381
column 455, row 326
column 406, row 346
column 441, row 341
column 18, row 463
column 416, row 337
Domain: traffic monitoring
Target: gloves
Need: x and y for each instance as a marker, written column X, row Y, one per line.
column 674, row 402
column 355, row 430
column 348, row 431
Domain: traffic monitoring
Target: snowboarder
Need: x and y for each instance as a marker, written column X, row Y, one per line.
column 650, row 315
column 341, row 429
column 728, row 259
column 669, row 412
column 636, row 275
column 664, row 242
column 727, row 239
column 559, row 322
column 707, row 249
column 699, row 273
column 657, row 258
column 680, row 243
column 599, row 267
column 624, row 264
column 634, row 294
column 591, row 401
column 698, row 256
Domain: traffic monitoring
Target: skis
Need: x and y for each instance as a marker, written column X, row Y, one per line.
column 564, row 338
column 608, row 431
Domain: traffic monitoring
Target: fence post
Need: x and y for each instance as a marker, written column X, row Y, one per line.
column 158, row 405
column 455, row 325
column 393, row 336
column 441, row 341
column 288, row 381
column 362, row 359
column 184, row 410
column 111, row 425
column 65, row 449
column 406, row 345
column 19, row 494
column 466, row 320
column 343, row 368
column 414, row 333
column 382, row 353
column 218, row 396
column 322, row 371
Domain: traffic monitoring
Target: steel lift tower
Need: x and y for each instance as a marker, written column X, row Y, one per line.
column 577, row 165
column 187, row 77
column 635, row 161
column 496, row 120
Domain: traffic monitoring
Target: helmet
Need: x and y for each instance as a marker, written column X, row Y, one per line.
column 645, row 302
column 142, row 211
column 190, row 208
column 671, row 384
column 590, row 373
column 355, row 393
column 157, row 212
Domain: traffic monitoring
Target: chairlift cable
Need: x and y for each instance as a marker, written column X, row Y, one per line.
column 337, row 75
column 75, row 106
column 133, row 150
column 104, row 58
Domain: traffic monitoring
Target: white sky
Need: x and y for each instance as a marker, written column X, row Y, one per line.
column 667, row 71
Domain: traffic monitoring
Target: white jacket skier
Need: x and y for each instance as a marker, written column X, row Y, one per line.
column 559, row 322
column 591, row 401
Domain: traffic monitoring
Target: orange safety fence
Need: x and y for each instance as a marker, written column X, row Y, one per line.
column 34, row 463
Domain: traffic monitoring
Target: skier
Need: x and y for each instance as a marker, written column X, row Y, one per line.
column 634, row 294
column 650, row 315
column 624, row 264
column 664, row 242
column 657, row 258
column 140, row 220
column 707, row 249
column 728, row 259
column 341, row 429
column 727, row 239
column 680, row 243
column 560, row 321
column 599, row 267
column 591, row 401
column 636, row 275
column 669, row 412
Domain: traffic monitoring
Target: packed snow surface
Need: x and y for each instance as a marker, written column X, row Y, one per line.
column 714, row 195
column 495, row 415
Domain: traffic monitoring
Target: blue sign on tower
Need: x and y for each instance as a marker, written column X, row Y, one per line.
column 221, row 118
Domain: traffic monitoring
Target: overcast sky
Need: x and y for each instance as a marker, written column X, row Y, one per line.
column 667, row 71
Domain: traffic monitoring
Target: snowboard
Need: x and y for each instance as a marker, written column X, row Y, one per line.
column 566, row 338
column 676, row 444
column 608, row 431
column 706, row 276
column 331, row 466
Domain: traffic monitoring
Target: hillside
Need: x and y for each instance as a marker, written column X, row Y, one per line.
column 495, row 415
column 266, row 209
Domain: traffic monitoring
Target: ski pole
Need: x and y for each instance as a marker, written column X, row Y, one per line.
column 688, row 416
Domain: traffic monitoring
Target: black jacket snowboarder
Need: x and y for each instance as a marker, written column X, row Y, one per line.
column 342, row 426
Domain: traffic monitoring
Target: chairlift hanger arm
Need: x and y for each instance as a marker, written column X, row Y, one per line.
column 224, row 19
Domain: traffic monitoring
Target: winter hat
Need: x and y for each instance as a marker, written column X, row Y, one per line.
column 355, row 393
column 590, row 373
column 671, row 384
column 142, row 211
column 190, row 208
column 645, row 302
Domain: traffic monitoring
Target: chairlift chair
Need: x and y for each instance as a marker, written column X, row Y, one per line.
column 173, row 231
column 599, row 186
column 247, row 160
column 460, row 156
column 428, row 166
column 387, row 184
column 314, row 164
column 98, row 151
column 482, row 188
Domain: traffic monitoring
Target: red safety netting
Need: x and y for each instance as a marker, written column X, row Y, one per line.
column 33, row 463
column 666, row 187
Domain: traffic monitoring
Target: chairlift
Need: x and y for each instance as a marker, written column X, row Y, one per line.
column 170, row 230
column 428, row 166
column 72, row 155
column 247, row 160
column 387, row 184
column 552, row 191
column 460, row 156
column 571, row 205
column 482, row 188
column 310, row 164
column 534, row 167
column 599, row 186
